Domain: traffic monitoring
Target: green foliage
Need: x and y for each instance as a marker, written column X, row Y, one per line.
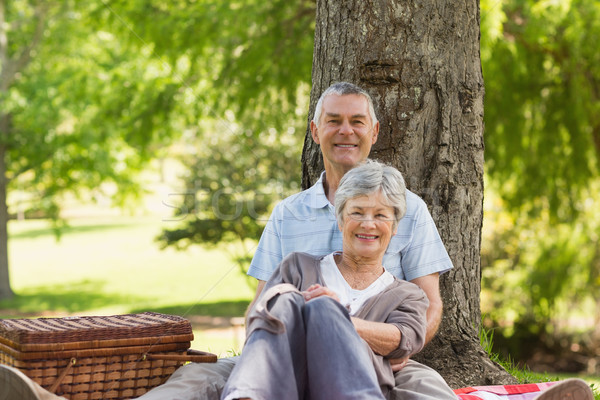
column 83, row 111
column 542, row 107
column 248, row 63
column 540, row 257
column 105, row 86
column 538, row 273
column 250, row 57
column 112, row 82
column 233, row 181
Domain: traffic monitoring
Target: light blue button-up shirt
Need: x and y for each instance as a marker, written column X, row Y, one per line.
column 305, row 222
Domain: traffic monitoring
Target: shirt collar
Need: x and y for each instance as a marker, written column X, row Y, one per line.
column 315, row 195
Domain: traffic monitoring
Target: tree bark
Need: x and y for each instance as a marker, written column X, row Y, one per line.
column 420, row 62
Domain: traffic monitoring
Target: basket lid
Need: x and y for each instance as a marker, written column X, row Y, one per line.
column 94, row 331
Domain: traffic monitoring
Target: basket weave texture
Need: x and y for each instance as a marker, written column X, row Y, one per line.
column 99, row 357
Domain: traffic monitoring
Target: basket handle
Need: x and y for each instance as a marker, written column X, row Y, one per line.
column 196, row 356
column 62, row 375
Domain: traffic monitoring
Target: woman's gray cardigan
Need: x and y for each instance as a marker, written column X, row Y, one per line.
column 402, row 304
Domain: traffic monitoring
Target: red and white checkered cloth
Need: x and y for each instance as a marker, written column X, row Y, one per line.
column 503, row 392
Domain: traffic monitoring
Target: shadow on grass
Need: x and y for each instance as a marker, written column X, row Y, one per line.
column 235, row 308
column 69, row 298
column 89, row 295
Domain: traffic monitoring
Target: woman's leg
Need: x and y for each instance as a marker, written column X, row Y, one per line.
column 319, row 353
column 339, row 364
column 273, row 366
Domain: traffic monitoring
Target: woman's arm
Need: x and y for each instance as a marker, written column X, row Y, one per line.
column 381, row 337
column 394, row 322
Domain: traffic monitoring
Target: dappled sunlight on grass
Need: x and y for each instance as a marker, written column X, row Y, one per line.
column 112, row 265
column 122, row 253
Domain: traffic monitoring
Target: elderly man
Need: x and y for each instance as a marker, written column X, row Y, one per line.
column 345, row 126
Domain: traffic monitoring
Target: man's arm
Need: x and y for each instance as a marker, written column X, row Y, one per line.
column 431, row 286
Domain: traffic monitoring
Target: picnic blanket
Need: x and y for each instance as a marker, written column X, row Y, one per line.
column 503, row 392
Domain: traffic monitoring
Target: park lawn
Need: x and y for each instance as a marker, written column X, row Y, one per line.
column 112, row 265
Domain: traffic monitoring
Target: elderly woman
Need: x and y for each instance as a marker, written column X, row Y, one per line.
column 324, row 327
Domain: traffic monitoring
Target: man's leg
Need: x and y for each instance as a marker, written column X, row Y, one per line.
column 15, row 385
column 194, row 381
column 419, row 382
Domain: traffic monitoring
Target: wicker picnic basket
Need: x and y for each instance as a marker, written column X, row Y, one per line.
column 100, row 357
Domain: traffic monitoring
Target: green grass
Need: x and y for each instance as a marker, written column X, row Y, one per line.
column 104, row 266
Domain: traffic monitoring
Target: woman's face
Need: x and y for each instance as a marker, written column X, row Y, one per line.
column 367, row 226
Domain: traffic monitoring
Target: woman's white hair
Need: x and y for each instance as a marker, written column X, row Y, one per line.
column 371, row 177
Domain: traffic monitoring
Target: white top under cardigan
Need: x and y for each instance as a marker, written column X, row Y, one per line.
column 352, row 299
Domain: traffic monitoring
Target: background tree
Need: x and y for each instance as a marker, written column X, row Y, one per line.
column 426, row 80
column 79, row 109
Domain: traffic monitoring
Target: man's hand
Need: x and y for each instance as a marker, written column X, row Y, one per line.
column 398, row 363
column 317, row 290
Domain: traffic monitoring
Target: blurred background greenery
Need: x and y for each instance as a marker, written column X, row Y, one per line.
column 182, row 122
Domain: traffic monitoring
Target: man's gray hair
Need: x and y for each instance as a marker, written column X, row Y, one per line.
column 371, row 177
column 342, row 89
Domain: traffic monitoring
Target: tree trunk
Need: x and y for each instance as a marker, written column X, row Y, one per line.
column 420, row 62
column 5, row 290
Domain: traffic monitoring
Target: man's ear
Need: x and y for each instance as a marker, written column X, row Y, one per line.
column 314, row 130
column 375, row 133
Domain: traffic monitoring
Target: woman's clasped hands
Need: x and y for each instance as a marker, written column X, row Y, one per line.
column 317, row 290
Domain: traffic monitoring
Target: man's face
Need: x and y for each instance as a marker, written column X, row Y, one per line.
column 345, row 131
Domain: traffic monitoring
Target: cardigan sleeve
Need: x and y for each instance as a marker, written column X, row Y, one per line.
column 410, row 317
